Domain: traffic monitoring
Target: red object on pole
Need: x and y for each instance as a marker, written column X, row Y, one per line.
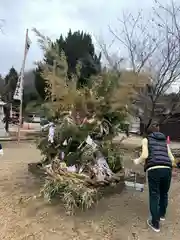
column 168, row 140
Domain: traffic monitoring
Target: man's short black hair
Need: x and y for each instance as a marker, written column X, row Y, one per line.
column 154, row 127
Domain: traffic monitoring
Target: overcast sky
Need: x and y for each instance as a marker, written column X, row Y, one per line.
column 53, row 17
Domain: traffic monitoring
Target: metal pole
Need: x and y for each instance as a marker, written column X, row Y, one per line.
column 22, row 86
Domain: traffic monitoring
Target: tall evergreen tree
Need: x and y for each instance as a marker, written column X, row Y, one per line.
column 10, row 84
column 78, row 47
column 1, row 85
column 9, row 87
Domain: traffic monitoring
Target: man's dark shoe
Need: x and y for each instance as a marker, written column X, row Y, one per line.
column 154, row 227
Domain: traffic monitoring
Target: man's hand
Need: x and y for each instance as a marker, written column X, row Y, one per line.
column 136, row 161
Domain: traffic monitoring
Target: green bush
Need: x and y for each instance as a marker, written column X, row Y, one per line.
column 113, row 155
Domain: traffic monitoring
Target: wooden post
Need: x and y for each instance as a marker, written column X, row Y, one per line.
column 22, row 87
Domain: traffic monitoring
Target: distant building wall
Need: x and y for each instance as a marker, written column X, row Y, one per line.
column 134, row 125
column 171, row 129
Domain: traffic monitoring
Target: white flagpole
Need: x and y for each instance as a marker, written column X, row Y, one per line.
column 22, row 87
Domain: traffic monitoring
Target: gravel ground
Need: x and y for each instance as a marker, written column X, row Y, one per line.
column 121, row 217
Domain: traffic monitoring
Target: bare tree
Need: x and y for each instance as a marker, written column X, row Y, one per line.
column 112, row 59
column 1, row 24
column 153, row 47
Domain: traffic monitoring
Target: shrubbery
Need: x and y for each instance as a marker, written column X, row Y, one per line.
column 94, row 112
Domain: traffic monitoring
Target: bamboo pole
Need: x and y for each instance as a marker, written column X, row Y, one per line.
column 53, row 82
column 22, row 87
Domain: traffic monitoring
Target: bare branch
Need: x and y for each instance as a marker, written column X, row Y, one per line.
column 153, row 47
column 2, row 22
column 114, row 61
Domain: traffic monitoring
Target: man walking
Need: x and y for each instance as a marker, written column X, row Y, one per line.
column 158, row 162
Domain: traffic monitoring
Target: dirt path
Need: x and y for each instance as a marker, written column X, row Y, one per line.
column 121, row 217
